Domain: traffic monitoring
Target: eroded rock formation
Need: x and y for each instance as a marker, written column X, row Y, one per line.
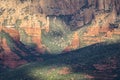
column 25, row 21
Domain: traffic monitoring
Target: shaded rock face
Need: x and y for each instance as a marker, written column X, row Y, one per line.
column 117, row 6
column 82, row 11
column 66, row 7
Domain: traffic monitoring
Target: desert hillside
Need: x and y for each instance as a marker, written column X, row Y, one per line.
column 39, row 30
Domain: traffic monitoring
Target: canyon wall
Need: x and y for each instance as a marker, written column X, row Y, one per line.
column 32, row 27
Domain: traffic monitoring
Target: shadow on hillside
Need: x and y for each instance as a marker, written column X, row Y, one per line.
column 106, row 57
column 100, row 60
column 25, row 52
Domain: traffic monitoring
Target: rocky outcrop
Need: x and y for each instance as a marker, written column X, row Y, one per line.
column 26, row 20
column 8, row 58
column 13, row 33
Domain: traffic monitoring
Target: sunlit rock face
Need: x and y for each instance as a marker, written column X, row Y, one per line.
column 33, row 27
column 13, row 33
